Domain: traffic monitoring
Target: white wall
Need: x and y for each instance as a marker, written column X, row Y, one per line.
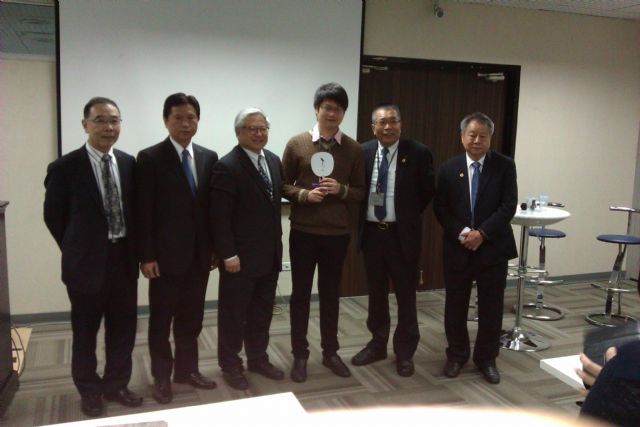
column 578, row 113
column 579, row 104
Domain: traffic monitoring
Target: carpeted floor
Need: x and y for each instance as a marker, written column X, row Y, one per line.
column 47, row 394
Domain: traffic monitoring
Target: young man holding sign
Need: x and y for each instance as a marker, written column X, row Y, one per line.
column 320, row 194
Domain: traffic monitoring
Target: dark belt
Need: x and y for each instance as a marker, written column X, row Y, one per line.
column 382, row 225
column 118, row 240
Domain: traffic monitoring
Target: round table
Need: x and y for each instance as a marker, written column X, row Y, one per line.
column 516, row 338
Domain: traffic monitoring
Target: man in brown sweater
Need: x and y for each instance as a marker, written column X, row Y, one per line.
column 320, row 224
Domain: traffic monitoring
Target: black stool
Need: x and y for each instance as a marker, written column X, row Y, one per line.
column 615, row 285
column 542, row 311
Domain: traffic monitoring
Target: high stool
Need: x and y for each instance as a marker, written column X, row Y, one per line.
column 540, row 310
column 615, row 285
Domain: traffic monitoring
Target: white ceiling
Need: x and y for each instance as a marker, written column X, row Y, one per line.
column 625, row 9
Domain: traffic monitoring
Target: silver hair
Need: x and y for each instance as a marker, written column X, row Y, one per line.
column 478, row 117
column 393, row 107
column 246, row 112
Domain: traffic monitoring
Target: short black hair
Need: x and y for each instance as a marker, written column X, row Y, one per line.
column 332, row 91
column 95, row 101
column 385, row 106
column 180, row 99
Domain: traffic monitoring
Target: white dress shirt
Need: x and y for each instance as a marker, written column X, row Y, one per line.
column 192, row 163
column 391, row 183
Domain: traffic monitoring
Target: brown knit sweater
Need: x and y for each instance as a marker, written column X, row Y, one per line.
column 331, row 216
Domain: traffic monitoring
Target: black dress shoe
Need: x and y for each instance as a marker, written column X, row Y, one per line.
column 336, row 365
column 266, row 369
column 490, row 373
column 368, row 355
column 125, row 397
column 404, row 367
column 197, row 380
column 235, row 379
column 299, row 370
column 162, row 391
column 452, row 368
column 92, row 405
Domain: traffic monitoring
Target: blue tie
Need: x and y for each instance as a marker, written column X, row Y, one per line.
column 381, row 186
column 186, row 167
column 475, row 180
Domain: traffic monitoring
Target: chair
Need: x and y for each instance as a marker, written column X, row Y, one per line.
column 539, row 310
column 615, row 285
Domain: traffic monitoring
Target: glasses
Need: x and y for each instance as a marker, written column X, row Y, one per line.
column 256, row 129
column 100, row 121
column 384, row 122
column 331, row 109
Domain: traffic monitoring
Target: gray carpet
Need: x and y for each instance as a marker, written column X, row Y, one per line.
column 47, row 394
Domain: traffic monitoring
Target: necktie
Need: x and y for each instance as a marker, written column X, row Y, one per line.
column 112, row 208
column 186, row 167
column 264, row 176
column 381, row 186
column 475, row 180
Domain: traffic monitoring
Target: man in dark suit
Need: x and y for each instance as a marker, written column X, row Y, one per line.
column 246, row 188
column 88, row 209
column 175, row 247
column 475, row 201
column 400, row 178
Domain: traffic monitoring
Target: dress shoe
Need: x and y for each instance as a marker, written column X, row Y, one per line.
column 299, row 370
column 92, row 405
column 490, row 373
column 266, row 369
column 368, row 355
column 404, row 367
column 336, row 365
column 236, row 379
column 195, row 379
column 452, row 368
column 162, row 391
column 125, row 397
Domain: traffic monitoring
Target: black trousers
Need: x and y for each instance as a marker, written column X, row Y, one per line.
column 117, row 301
column 245, row 309
column 307, row 250
column 383, row 262
column 177, row 299
column 491, row 281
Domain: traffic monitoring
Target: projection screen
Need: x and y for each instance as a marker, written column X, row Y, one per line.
column 230, row 54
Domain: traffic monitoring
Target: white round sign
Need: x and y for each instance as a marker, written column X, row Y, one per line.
column 322, row 163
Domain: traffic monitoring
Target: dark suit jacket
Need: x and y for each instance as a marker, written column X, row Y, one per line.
column 74, row 214
column 172, row 224
column 245, row 221
column 414, row 188
column 495, row 206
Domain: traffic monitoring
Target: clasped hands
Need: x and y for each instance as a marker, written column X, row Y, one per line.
column 472, row 239
column 327, row 186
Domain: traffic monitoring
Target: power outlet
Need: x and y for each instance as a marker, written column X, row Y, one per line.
column 286, row 266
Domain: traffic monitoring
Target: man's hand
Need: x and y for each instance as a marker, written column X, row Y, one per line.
column 150, row 269
column 473, row 240
column 330, row 185
column 232, row 265
column 590, row 369
column 316, row 195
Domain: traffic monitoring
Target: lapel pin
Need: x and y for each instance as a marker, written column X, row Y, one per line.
column 461, row 175
column 404, row 160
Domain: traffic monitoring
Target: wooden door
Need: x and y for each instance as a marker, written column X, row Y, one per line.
column 433, row 97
